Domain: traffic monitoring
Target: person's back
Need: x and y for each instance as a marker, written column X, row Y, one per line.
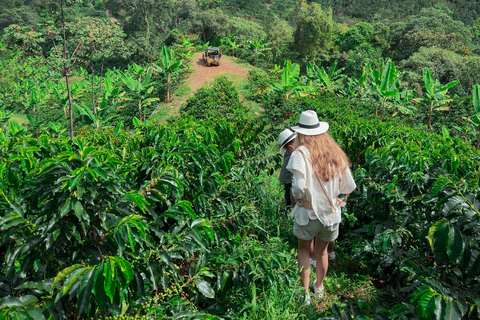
column 320, row 174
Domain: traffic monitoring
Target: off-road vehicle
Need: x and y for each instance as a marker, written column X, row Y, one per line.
column 212, row 55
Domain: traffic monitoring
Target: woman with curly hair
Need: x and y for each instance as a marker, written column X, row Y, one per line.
column 321, row 176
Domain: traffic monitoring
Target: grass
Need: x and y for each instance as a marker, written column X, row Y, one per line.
column 20, row 119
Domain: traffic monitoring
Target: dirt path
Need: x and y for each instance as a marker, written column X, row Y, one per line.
column 202, row 74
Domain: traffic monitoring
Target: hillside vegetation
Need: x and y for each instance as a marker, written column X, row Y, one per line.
column 114, row 207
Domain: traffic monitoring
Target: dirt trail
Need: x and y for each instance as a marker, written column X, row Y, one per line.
column 202, row 74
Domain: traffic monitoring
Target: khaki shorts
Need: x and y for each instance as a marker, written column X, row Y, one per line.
column 314, row 228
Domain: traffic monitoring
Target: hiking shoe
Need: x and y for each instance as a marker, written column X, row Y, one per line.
column 332, row 255
column 318, row 291
column 306, row 299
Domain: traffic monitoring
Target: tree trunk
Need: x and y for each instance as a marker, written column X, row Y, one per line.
column 168, row 88
column 101, row 78
column 430, row 118
column 140, row 110
column 93, row 93
column 66, row 69
column 148, row 28
column 70, row 101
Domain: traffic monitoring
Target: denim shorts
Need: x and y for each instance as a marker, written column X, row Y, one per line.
column 314, row 228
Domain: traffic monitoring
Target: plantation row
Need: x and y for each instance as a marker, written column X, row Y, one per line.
column 165, row 218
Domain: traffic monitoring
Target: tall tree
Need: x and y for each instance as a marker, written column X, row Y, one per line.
column 313, row 31
column 63, row 47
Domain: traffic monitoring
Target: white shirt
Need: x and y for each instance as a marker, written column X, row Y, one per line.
column 322, row 194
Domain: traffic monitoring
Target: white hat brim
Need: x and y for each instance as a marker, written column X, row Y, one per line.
column 312, row 131
column 282, row 149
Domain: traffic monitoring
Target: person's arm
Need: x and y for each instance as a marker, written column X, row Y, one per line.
column 298, row 185
column 347, row 184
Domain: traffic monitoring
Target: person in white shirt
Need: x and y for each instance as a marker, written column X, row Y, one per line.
column 321, row 176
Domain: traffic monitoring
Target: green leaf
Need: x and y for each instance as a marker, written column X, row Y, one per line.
column 428, row 81
column 64, row 273
column 109, row 274
column 85, row 292
column 138, row 199
column 204, row 287
column 125, row 267
column 426, row 305
column 100, row 172
column 23, row 301
column 70, row 280
column 451, row 313
column 476, row 99
column 74, row 181
column 440, row 307
column 455, row 244
column 439, row 185
column 474, row 269
column 136, row 122
column 100, row 295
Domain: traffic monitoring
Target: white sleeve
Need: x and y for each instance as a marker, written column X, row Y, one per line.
column 298, row 185
column 347, row 184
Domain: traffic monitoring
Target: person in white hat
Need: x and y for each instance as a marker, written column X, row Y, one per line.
column 320, row 175
column 286, row 139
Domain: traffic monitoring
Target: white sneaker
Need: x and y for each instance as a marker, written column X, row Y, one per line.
column 332, row 255
column 318, row 291
column 307, row 300
column 313, row 262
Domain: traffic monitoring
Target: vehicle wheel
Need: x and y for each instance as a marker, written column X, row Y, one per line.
column 208, row 64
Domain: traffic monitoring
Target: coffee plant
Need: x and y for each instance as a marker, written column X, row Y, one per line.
column 92, row 226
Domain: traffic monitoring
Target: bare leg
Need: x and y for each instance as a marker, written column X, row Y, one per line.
column 322, row 260
column 330, row 246
column 312, row 250
column 304, row 262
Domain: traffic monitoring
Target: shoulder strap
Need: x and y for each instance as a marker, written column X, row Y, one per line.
column 319, row 181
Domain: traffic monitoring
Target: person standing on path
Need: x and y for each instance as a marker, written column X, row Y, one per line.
column 286, row 139
column 320, row 174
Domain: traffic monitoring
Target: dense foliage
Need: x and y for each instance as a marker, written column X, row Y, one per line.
column 182, row 217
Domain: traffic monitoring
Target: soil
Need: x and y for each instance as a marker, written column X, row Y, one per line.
column 202, row 74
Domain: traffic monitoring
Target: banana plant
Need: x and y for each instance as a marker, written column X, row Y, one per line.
column 403, row 102
column 104, row 115
column 34, row 100
column 436, row 94
column 290, row 80
column 233, row 46
column 383, row 86
column 258, row 47
column 331, row 82
column 140, row 89
column 58, row 128
column 475, row 120
column 168, row 69
column 291, row 84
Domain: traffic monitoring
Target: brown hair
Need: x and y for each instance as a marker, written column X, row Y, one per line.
column 327, row 157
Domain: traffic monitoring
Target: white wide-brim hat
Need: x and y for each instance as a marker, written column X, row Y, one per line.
column 309, row 125
column 285, row 137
